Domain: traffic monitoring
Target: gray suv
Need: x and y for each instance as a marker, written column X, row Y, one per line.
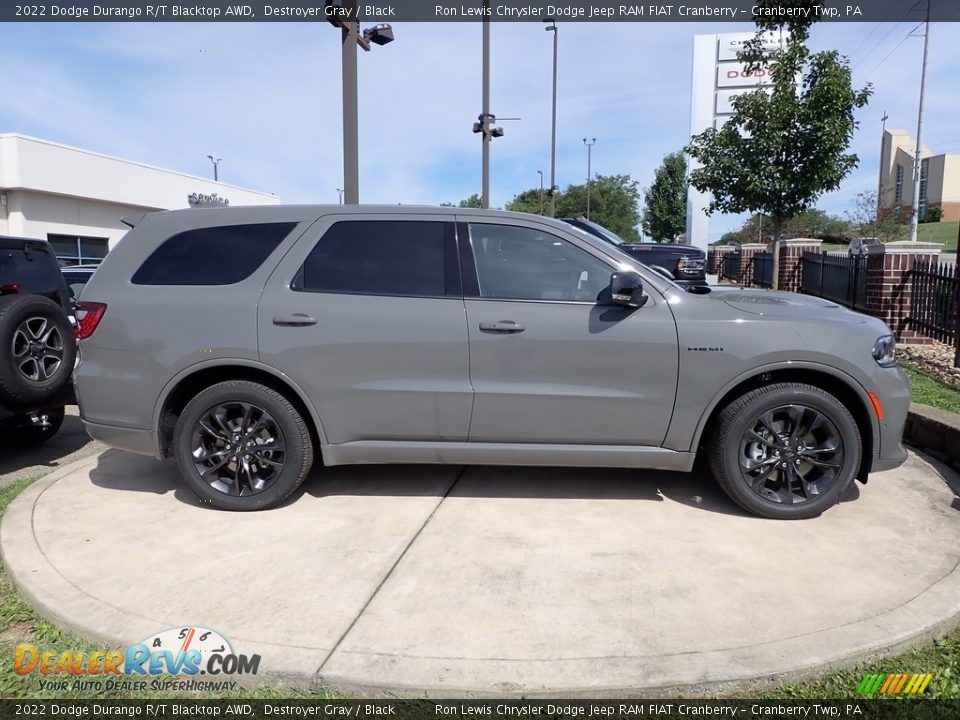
column 249, row 342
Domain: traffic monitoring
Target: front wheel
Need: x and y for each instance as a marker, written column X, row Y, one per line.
column 785, row 451
column 242, row 446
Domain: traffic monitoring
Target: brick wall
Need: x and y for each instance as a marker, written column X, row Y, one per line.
column 889, row 286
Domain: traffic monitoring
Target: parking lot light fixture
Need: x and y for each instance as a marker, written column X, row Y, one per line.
column 552, row 27
column 351, row 37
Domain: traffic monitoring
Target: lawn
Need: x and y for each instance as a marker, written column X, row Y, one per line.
column 930, row 391
column 942, row 232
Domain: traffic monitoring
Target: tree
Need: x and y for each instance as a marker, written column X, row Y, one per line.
column 665, row 202
column 473, row 201
column 781, row 151
column 866, row 221
column 614, row 201
column 528, row 201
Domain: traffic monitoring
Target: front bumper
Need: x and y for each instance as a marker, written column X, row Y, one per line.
column 893, row 389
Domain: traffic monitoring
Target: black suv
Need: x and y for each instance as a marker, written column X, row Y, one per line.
column 37, row 345
column 684, row 264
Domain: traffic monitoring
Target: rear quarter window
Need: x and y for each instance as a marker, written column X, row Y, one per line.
column 221, row 255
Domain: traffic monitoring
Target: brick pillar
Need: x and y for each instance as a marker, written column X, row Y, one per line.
column 715, row 256
column 889, row 286
column 747, row 251
column 791, row 261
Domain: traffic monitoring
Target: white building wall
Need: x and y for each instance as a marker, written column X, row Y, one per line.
column 46, row 188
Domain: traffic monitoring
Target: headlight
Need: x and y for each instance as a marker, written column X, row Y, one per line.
column 884, row 351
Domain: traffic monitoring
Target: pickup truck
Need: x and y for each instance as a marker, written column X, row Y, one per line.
column 683, row 264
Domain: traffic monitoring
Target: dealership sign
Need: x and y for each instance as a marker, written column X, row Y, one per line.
column 203, row 200
column 718, row 77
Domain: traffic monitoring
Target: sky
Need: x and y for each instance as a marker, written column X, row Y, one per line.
column 266, row 98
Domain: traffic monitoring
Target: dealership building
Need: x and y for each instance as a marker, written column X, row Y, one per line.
column 75, row 198
column 939, row 177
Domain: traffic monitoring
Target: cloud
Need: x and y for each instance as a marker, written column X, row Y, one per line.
column 266, row 98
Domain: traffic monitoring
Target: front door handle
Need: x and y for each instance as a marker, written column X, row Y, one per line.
column 506, row 327
column 294, row 320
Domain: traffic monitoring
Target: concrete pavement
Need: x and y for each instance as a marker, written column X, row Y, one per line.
column 458, row 581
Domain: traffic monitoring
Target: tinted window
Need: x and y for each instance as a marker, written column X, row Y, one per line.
column 378, row 257
column 524, row 264
column 212, row 256
column 33, row 269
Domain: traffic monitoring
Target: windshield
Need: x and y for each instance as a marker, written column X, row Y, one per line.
column 617, row 253
column 604, row 233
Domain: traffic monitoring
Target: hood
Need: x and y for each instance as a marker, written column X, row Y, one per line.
column 770, row 302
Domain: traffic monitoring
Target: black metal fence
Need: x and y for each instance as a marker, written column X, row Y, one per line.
column 763, row 269
column 933, row 309
column 837, row 277
column 731, row 266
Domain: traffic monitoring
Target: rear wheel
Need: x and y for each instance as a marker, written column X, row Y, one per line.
column 785, row 451
column 242, row 446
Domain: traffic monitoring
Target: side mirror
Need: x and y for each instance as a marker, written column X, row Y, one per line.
column 626, row 288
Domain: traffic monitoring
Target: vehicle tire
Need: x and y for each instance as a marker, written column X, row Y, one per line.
column 785, row 451
column 37, row 350
column 242, row 446
column 26, row 434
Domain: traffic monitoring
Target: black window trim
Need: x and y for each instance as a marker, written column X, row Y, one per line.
column 451, row 263
column 471, row 281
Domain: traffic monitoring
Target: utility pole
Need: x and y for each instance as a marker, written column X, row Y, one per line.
column 589, row 175
column 216, row 167
column 552, row 27
column 351, row 133
column 917, row 160
column 485, row 112
column 540, row 173
column 340, row 193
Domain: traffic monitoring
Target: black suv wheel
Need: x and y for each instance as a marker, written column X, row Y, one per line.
column 242, row 446
column 785, row 451
column 37, row 349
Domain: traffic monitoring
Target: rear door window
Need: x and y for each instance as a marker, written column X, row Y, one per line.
column 380, row 257
column 221, row 255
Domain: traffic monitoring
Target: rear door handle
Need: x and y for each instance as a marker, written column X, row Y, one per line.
column 506, row 327
column 294, row 320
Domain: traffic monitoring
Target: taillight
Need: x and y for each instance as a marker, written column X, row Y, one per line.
column 89, row 315
column 10, row 288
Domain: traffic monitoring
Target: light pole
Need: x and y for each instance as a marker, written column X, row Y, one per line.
column 552, row 27
column 345, row 18
column 216, row 167
column 340, row 193
column 917, row 160
column 589, row 178
column 540, row 173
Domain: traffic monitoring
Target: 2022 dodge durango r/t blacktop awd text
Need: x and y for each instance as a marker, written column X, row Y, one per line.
column 249, row 342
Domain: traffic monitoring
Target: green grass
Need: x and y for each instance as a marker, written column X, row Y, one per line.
column 942, row 658
column 942, row 232
column 930, row 391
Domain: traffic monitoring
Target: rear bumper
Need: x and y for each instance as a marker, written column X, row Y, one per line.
column 135, row 440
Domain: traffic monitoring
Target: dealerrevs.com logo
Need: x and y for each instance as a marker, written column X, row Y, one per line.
column 184, row 652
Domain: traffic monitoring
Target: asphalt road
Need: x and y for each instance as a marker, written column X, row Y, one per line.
column 70, row 444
